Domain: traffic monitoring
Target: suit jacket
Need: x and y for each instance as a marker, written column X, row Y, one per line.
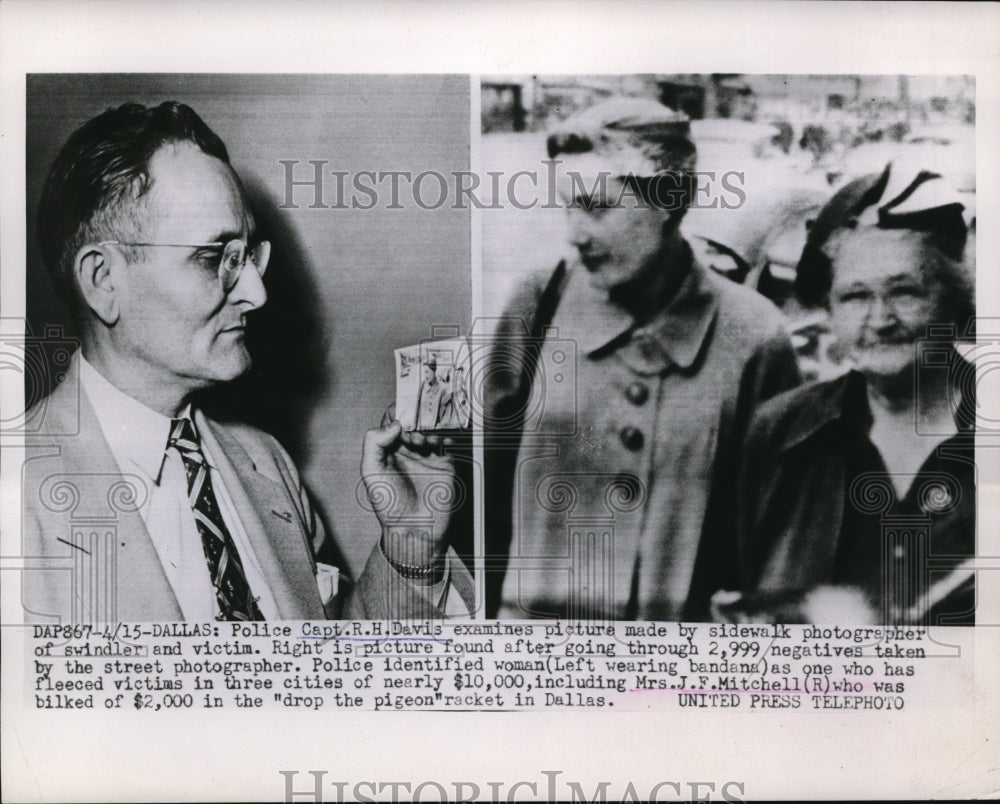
column 89, row 556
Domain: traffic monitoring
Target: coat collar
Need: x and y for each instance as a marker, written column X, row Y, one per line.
column 142, row 592
column 675, row 335
column 842, row 399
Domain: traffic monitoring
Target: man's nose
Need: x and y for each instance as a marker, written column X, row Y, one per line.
column 249, row 288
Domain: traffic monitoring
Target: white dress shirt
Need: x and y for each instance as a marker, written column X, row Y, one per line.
column 138, row 436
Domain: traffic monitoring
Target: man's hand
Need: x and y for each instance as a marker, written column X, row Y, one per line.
column 412, row 488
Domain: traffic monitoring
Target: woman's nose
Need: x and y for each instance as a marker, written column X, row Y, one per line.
column 881, row 314
column 579, row 230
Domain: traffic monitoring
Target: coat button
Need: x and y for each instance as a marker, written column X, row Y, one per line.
column 648, row 349
column 637, row 393
column 632, row 438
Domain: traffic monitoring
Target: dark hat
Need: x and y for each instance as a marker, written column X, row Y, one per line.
column 923, row 205
column 848, row 206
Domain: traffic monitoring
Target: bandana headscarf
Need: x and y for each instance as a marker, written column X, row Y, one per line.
column 637, row 137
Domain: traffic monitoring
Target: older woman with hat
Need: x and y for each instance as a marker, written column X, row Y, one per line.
column 857, row 494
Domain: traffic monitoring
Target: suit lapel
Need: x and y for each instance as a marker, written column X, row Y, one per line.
column 271, row 521
column 141, row 588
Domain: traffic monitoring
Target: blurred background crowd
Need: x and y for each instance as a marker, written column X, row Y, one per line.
column 787, row 141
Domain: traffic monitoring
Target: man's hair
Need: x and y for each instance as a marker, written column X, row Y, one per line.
column 96, row 184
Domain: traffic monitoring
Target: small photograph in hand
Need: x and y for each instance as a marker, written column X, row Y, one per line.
column 433, row 390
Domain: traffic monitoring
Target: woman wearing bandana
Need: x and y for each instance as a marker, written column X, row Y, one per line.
column 857, row 495
column 619, row 389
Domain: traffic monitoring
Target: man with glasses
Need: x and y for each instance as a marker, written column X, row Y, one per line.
column 146, row 233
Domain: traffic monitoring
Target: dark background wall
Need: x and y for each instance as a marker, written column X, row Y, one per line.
column 345, row 286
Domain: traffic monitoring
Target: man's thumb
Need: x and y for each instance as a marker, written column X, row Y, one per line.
column 376, row 446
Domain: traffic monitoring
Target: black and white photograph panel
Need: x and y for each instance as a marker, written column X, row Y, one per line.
column 219, row 268
column 433, row 386
column 733, row 374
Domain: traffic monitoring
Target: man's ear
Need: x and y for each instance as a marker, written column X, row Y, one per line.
column 93, row 276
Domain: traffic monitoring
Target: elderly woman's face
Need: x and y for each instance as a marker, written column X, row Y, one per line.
column 881, row 303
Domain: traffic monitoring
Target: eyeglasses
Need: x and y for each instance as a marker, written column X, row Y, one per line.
column 902, row 300
column 234, row 256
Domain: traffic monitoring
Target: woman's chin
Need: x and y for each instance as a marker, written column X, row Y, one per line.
column 885, row 361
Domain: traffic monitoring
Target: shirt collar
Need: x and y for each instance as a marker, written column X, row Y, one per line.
column 677, row 332
column 136, row 434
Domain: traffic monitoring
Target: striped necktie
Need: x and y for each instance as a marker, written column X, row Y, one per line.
column 236, row 601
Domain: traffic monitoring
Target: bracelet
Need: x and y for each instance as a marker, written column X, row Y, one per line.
column 428, row 573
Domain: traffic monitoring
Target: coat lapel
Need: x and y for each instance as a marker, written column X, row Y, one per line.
column 117, row 556
column 804, row 553
column 271, row 520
